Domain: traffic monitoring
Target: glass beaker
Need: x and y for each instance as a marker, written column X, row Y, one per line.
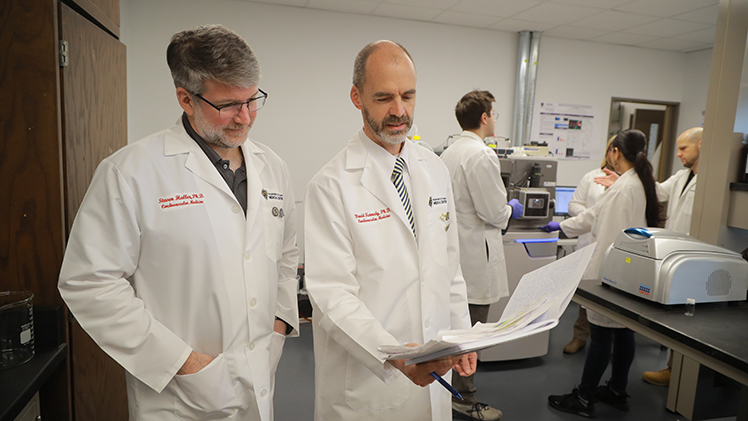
column 16, row 328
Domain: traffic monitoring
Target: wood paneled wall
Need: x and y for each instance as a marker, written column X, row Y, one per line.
column 32, row 234
column 94, row 99
column 56, row 126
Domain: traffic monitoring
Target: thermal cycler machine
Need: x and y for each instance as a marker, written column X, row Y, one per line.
column 669, row 267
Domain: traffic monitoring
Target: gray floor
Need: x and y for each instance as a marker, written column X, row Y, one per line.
column 518, row 388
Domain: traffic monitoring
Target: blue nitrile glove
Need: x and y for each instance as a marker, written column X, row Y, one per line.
column 550, row 227
column 517, row 208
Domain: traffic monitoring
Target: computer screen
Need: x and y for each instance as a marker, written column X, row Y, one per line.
column 563, row 196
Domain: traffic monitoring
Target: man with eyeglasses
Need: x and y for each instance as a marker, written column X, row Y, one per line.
column 182, row 260
column 482, row 212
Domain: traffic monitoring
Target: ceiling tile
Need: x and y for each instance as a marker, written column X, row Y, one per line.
column 601, row 4
column 503, row 8
column 466, row 19
column 556, row 13
column 567, row 31
column 516, row 25
column 671, row 44
column 402, row 11
column 705, row 15
column 348, row 6
column 612, row 20
column 666, row 28
column 704, row 35
column 664, row 8
column 624, row 38
column 433, row 4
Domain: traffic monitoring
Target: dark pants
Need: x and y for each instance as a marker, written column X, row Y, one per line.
column 599, row 355
column 465, row 385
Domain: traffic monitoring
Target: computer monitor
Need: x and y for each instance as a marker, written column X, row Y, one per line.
column 563, row 196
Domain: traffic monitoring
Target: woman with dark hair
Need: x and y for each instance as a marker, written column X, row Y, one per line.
column 630, row 202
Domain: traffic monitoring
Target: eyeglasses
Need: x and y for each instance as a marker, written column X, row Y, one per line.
column 232, row 110
column 495, row 114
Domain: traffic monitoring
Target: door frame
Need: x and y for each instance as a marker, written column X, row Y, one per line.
column 669, row 132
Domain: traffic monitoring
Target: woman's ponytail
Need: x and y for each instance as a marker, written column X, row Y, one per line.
column 633, row 145
column 644, row 170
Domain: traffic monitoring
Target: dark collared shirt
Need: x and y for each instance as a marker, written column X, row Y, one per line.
column 690, row 177
column 237, row 181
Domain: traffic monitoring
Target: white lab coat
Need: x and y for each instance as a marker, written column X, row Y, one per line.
column 162, row 261
column 622, row 206
column 372, row 284
column 585, row 196
column 482, row 212
column 680, row 205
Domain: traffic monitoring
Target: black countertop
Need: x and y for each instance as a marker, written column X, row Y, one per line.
column 719, row 330
column 19, row 384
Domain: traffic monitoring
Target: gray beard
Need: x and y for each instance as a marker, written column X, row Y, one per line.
column 379, row 130
column 210, row 135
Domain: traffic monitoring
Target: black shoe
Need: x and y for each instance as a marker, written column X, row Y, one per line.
column 573, row 404
column 617, row 400
column 476, row 411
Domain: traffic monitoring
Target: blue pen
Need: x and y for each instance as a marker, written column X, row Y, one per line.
column 445, row 384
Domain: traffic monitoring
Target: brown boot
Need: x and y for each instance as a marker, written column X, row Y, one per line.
column 657, row 378
column 574, row 346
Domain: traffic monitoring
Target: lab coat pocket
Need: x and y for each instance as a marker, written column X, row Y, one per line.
column 276, row 350
column 207, row 394
column 364, row 391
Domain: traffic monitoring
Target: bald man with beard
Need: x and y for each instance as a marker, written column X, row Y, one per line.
column 679, row 191
column 382, row 257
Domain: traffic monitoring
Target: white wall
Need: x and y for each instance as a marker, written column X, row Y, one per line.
column 695, row 88
column 581, row 72
column 307, row 59
column 307, row 63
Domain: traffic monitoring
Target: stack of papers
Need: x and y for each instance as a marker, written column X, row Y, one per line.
column 535, row 306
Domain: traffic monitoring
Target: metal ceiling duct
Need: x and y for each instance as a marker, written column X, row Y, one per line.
column 524, row 94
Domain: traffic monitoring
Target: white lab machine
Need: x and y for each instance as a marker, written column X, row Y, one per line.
column 532, row 181
column 668, row 267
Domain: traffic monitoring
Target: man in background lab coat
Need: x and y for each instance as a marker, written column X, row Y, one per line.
column 679, row 191
column 482, row 212
column 182, row 260
column 382, row 262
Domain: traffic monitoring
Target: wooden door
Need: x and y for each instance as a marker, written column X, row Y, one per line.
column 32, row 227
column 94, row 125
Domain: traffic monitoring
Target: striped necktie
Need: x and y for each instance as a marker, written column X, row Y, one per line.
column 399, row 183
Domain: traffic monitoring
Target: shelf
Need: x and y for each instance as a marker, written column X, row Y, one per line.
column 737, row 216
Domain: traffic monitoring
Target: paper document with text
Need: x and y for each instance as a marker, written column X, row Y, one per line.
column 535, row 306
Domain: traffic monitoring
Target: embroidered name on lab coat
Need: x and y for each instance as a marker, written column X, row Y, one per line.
column 437, row 201
column 179, row 200
column 373, row 216
column 271, row 196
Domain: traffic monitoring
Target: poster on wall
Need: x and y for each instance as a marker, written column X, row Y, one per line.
column 567, row 129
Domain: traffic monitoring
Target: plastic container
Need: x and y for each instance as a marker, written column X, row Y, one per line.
column 690, row 307
column 16, row 328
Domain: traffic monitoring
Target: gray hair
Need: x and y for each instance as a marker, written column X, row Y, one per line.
column 359, row 65
column 211, row 52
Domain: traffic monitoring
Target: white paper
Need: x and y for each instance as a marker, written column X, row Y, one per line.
column 535, row 306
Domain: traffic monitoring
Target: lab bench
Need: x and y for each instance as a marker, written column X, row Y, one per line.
column 715, row 337
column 18, row 385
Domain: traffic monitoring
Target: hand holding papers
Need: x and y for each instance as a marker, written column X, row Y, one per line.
column 535, row 306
